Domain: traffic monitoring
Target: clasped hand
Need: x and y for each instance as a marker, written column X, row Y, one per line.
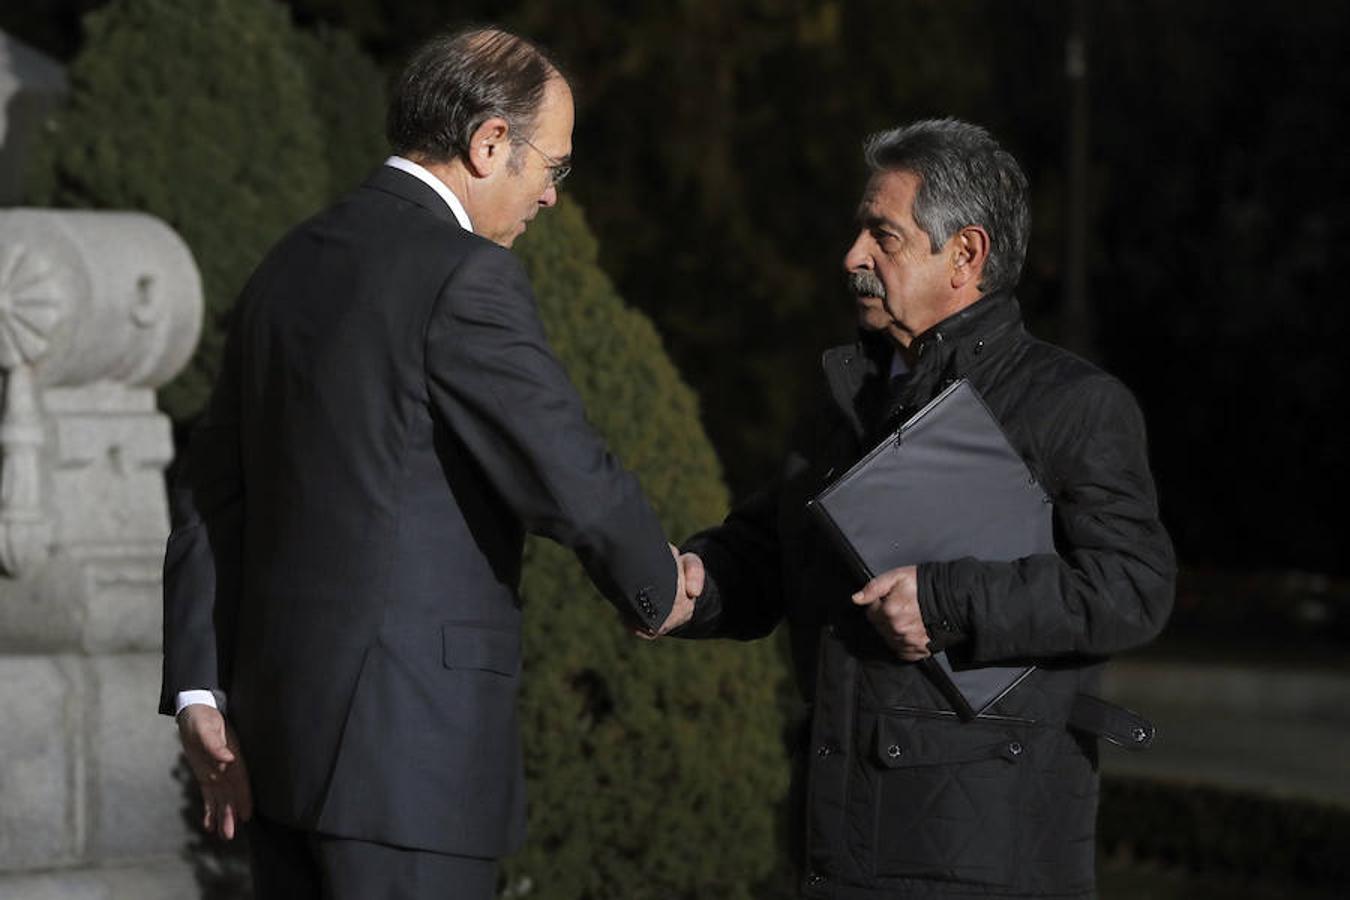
column 689, row 570
column 891, row 603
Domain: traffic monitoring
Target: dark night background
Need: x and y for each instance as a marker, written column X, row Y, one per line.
column 717, row 156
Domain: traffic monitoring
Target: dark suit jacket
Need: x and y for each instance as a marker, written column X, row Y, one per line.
column 388, row 423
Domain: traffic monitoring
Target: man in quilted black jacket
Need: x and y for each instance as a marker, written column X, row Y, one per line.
column 899, row 797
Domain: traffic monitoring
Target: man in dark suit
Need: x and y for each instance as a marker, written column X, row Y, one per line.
column 389, row 421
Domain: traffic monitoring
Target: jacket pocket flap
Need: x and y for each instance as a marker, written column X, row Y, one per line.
column 486, row 649
column 906, row 742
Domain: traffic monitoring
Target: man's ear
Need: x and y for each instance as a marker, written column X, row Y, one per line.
column 970, row 251
column 489, row 147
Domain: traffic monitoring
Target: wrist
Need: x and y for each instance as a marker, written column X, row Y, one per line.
column 939, row 620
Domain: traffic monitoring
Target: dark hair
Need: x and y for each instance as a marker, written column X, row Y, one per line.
column 965, row 178
column 454, row 83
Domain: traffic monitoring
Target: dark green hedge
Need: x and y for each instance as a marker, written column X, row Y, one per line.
column 655, row 768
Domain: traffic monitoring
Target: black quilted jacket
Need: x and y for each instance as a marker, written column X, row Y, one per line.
column 899, row 798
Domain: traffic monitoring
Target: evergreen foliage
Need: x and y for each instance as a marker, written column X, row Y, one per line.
column 655, row 768
column 207, row 115
column 348, row 92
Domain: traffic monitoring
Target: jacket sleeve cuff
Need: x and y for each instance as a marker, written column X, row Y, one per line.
column 653, row 603
column 943, row 618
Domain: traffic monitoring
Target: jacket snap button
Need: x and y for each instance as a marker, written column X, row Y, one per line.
column 825, row 750
column 894, row 751
column 1015, row 748
column 1140, row 735
column 815, row 878
column 979, row 347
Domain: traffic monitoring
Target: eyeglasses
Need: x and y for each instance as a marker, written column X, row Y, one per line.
column 557, row 169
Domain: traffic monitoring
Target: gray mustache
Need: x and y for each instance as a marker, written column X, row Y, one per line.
column 866, row 284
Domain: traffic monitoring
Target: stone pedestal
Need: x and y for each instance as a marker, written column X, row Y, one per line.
column 96, row 310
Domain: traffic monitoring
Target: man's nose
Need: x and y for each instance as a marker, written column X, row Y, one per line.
column 857, row 256
column 550, row 196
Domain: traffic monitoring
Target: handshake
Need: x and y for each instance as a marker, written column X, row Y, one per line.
column 687, row 590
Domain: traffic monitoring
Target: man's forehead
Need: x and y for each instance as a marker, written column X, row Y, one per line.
column 556, row 118
column 887, row 196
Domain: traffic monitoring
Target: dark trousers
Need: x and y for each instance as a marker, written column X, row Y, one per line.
column 289, row 864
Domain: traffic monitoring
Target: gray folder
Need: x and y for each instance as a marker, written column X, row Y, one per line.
column 946, row 485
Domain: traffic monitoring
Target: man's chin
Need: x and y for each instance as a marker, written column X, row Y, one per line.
column 872, row 318
column 510, row 238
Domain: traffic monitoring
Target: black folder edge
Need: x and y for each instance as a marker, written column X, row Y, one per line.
column 939, row 674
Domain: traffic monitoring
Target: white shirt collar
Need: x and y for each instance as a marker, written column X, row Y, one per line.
column 431, row 181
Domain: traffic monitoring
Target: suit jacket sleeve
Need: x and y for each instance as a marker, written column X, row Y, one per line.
column 202, row 558
column 1111, row 585
column 497, row 385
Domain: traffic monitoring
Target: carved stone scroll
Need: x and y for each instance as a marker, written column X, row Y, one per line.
column 96, row 310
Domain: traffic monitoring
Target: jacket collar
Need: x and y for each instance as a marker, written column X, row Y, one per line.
column 956, row 343
column 408, row 187
column 856, row 373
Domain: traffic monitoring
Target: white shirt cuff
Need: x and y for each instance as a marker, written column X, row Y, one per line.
column 187, row 698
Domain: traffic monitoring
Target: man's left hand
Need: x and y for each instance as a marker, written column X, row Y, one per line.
column 891, row 601
column 213, row 754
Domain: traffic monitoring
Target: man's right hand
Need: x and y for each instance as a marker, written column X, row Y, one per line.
column 213, row 754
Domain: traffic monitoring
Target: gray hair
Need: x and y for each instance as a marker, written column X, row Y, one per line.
column 456, row 82
column 965, row 178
